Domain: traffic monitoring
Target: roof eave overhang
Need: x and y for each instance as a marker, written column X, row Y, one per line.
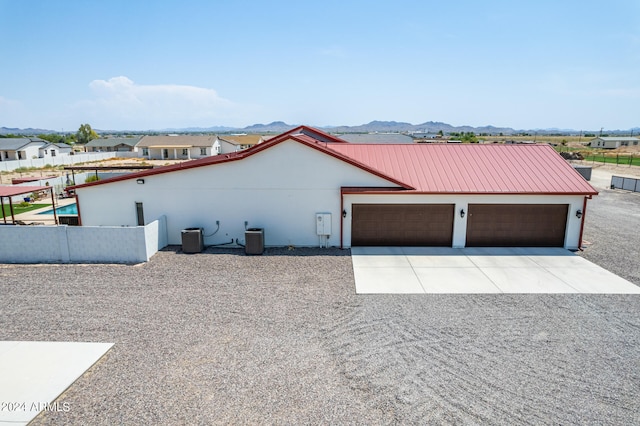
column 397, row 191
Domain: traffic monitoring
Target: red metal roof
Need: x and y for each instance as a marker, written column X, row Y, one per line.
column 10, row 191
column 472, row 168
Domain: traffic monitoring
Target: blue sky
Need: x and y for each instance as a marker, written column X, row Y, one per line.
column 150, row 65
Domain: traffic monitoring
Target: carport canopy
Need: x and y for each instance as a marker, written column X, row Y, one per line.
column 8, row 191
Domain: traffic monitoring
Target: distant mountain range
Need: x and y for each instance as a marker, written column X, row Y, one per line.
column 372, row 127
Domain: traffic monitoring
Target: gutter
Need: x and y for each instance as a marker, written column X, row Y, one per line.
column 341, row 217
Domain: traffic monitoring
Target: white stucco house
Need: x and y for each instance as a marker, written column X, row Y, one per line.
column 28, row 148
column 175, row 147
column 226, row 144
column 370, row 194
column 613, row 142
column 54, row 150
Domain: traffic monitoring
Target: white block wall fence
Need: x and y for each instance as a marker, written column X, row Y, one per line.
column 77, row 244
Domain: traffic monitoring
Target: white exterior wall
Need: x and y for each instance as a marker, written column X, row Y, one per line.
column 572, row 233
column 279, row 189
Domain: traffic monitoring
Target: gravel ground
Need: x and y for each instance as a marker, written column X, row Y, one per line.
column 612, row 232
column 220, row 337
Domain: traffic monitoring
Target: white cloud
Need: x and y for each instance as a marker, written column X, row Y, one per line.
column 120, row 103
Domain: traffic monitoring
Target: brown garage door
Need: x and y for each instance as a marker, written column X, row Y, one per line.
column 402, row 225
column 510, row 225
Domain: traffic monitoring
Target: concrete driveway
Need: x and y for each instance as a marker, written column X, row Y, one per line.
column 480, row 270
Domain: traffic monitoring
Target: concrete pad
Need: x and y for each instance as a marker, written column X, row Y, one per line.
column 377, row 250
column 381, row 261
column 502, row 261
column 526, row 280
column 387, row 280
column 542, row 251
column 595, row 280
column 573, row 262
column 481, row 270
column 430, row 261
column 34, row 374
column 431, row 251
column 455, row 280
column 490, row 251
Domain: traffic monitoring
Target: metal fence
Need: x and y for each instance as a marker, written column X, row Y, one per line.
column 630, row 184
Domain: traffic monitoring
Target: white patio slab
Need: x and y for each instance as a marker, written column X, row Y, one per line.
column 481, row 270
column 34, row 374
column 595, row 280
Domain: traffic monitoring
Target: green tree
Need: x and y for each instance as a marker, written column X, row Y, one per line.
column 85, row 134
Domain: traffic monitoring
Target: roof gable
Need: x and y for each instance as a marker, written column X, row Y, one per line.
column 316, row 134
column 239, row 155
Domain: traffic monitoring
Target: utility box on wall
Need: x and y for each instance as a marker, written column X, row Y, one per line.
column 323, row 223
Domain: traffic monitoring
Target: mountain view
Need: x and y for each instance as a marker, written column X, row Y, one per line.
column 372, row 127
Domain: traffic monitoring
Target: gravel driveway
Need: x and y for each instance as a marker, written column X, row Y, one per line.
column 220, row 337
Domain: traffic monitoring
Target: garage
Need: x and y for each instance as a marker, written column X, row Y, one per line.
column 510, row 225
column 402, row 225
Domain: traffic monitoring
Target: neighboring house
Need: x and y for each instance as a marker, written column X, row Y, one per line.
column 176, row 147
column 27, row 148
column 613, row 142
column 374, row 194
column 112, row 144
column 376, row 138
column 54, row 150
column 226, row 144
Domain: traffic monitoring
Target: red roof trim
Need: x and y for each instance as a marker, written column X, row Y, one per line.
column 10, row 191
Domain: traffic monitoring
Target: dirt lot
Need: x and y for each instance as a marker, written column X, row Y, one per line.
column 5, row 177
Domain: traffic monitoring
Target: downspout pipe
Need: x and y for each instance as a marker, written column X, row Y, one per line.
column 78, row 208
column 584, row 215
column 53, row 204
column 341, row 218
